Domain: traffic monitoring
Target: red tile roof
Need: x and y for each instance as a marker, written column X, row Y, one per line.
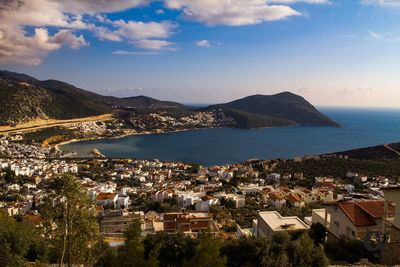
column 104, row 196
column 364, row 213
column 274, row 196
column 293, row 198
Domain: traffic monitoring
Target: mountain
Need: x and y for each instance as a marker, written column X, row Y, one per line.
column 285, row 108
column 22, row 102
column 23, row 98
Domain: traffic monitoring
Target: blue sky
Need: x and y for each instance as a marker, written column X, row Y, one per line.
column 336, row 52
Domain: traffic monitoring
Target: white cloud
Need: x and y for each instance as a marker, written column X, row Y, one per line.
column 374, row 35
column 237, row 12
column 99, row 6
column 383, row 3
column 159, row 11
column 104, row 33
column 154, row 44
column 66, row 37
column 18, row 46
column 69, row 20
column 135, row 30
column 122, row 52
column 203, row 43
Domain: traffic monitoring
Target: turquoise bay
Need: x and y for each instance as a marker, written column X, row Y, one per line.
column 362, row 128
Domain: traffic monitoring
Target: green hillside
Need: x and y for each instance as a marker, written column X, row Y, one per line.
column 286, row 106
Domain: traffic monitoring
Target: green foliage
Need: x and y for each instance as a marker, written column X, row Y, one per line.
column 317, row 233
column 278, row 110
column 15, row 240
column 347, row 250
column 41, row 135
column 207, row 253
column 301, row 212
column 69, row 222
column 245, row 251
column 340, row 167
column 174, row 248
column 132, row 252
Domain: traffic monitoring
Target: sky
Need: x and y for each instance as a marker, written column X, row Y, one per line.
column 332, row 52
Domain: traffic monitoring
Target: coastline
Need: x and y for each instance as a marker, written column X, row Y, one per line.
column 57, row 146
column 134, row 132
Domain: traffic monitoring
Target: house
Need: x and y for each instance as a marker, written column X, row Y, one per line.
column 276, row 200
column 114, row 223
column 205, row 203
column 270, row 222
column 188, row 198
column 161, row 195
column 354, row 219
column 326, row 182
column 294, row 200
column 122, row 202
column 318, row 216
column 189, row 222
column 273, row 177
column 107, row 199
column 240, row 201
column 308, row 196
column 392, row 194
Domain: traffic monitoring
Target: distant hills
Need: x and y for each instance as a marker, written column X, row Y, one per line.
column 282, row 109
column 23, row 98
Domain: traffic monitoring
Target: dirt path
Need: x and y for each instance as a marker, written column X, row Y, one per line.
column 40, row 124
column 391, row 149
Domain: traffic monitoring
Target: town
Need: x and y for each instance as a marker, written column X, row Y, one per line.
column 230, row 201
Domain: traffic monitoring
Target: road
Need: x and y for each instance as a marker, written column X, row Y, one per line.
column 41, row 124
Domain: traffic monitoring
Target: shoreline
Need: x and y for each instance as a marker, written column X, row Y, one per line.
column 57, row 146
column 133, row 133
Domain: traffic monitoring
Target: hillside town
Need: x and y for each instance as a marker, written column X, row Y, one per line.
column 163, row 121
column 180, row 197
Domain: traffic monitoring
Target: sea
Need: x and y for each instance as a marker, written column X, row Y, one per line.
column 362, row 128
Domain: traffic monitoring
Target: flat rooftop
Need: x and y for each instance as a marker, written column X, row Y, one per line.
column 279, row 223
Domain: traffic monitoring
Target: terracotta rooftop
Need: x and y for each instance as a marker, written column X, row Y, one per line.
column 293, row 198
column 205, row 198
column 274, row 196
column 364, row 213
column 104, row 196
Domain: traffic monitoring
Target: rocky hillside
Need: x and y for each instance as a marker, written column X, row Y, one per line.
column 21, row 102
column 23, row 98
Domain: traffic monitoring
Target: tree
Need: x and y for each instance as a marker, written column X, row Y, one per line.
column 207, row 253
column 347, row 250
column 69, row 222
column 132, row 252
column 302, row 252
column 245, row 251
column 173, row 247
column 317, row 233
column 15, row 239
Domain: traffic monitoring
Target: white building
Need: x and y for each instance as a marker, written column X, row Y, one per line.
column 270, row 222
